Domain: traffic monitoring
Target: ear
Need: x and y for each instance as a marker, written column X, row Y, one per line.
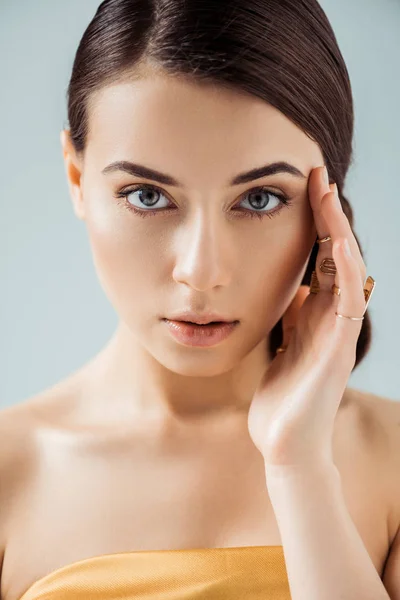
column 289, row 319
column 73, row 168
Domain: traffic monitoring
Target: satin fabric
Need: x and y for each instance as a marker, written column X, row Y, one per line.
column 242, row 573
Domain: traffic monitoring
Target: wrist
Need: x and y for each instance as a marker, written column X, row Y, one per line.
column 318, row 471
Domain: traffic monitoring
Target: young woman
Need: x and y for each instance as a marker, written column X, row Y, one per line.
column 207, row 151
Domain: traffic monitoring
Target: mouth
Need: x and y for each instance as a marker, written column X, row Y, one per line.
column 209, row 324
column 193, row 318
column 190, row 333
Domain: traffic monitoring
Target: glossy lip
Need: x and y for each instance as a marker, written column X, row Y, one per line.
column 204, row 335
column 200, row 319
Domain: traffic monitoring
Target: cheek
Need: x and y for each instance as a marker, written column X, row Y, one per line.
column 126, row 264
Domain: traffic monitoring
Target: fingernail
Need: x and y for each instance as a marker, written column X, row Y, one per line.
column 346, row 247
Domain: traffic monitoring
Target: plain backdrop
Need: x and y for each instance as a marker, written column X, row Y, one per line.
column 54, row 316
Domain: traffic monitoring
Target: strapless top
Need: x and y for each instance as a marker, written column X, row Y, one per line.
column 251, row 572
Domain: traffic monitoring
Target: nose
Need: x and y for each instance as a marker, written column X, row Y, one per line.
column 204, row 253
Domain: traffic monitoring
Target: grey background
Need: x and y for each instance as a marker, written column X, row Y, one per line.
column 54, row 315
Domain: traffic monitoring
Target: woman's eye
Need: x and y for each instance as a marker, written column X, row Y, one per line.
column 261, row 202
column 261, row 199
column 144, row 197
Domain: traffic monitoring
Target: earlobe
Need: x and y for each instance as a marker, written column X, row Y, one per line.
column 74, row 173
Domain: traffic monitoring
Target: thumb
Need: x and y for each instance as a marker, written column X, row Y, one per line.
column 289, row 318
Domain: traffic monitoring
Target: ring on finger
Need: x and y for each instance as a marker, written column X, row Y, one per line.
column 281, row 349
column 350, row 318
column 314, row 283
column 328, row 266
column 315, row 288
column 369, row 287
column 324, row 239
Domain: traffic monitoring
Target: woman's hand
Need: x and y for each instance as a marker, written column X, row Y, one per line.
column 292, row 414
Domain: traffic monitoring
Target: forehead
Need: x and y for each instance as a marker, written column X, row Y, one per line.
column 186, row 128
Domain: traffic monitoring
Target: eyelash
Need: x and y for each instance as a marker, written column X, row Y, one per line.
column 123, row 194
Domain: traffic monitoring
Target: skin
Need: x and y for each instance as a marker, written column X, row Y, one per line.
column 155, row 430
column 203, row 255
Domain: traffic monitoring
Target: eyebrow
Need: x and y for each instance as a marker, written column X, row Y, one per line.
column 142, row 171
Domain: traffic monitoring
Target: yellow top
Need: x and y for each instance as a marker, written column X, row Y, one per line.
column 251, row 572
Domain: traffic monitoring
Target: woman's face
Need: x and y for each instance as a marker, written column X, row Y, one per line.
column 203, row 246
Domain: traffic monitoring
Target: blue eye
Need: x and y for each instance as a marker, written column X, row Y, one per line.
column 147, row 196
column 263, row 202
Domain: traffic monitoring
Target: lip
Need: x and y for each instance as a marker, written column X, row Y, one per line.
column 199, row 319
column 190, row 334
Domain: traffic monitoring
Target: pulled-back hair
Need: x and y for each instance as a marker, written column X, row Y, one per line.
column 283, row 51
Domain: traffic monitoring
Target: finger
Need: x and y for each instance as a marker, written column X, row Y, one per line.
column 339, row 228
column 350, row 303
column 289, row 319
column 318, row 192
column 317, row 188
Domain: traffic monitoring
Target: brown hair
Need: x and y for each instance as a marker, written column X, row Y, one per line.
column 283, row 51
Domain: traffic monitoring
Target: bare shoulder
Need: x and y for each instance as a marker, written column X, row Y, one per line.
column 20, row 427
column 15, row 444
column 377, row 420
column 20, row 421
column 17, row 441
column 49, row 407
column 15, row 454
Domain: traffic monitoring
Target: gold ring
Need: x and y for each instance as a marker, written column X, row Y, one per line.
column 325, row 239
column 369, row 287
column 281, row 349
column 314, row 284
column 351, row 318
column 328, row 266
column 336, row 290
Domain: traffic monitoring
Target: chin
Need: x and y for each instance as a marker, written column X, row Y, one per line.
column 197, row 362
